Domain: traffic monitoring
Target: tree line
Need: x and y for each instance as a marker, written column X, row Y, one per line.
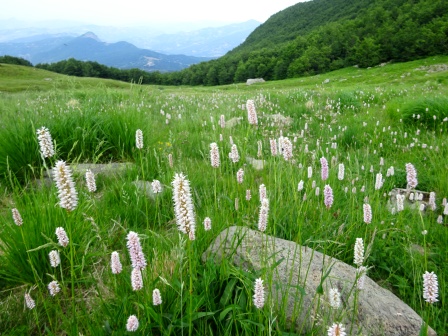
column 73, row 67
column 7, row 59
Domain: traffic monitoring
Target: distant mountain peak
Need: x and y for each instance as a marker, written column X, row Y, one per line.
column 91, row 35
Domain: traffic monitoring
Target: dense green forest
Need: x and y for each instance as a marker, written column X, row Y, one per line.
column 306, row 39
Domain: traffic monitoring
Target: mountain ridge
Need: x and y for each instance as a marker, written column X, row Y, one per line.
column 212, row 41
column 121, row 55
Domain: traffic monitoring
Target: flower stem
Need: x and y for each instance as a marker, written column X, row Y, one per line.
column 190, row 308
column 72, row 276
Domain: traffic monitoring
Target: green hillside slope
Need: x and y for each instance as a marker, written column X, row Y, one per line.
column 323, row 35
column 14, row 78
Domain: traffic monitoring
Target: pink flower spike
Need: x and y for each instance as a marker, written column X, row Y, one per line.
column 214, row 155
column 207, row 224
column 132, row 324
column 16, row 217
column 367, row 209
column 135, row 251
column 156, row 297
column 68, row 197
column 30, row 304
column 62, row 237
column 328, row 196
column 183, row 206
column 263, row 215
column 411, row 176
column 337, row 329
column 240, row 176
column 115, row 263
column 258, row 293
column 251, row 112
column 430, row 287
column 324, row 168
column 136, row 279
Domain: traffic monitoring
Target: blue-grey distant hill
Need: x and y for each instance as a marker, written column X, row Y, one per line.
column 192, row 40
column 88, row 47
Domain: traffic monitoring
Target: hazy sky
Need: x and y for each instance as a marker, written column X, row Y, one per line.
column 131, row 12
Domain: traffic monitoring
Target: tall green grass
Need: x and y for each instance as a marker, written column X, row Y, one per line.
column 353, row 123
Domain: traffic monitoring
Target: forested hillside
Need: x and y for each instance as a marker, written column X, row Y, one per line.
column 322, row 35
column 299, row 20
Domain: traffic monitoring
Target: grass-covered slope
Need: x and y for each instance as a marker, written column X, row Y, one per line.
column 371, row 121
column 15, row 78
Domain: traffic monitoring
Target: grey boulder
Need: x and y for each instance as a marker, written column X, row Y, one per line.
column 298, row 280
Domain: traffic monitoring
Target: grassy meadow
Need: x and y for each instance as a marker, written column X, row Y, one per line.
column 372, row 121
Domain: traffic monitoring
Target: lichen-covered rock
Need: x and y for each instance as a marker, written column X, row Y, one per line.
column 300, row 280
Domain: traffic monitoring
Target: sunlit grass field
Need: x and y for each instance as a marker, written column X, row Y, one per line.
column 373, row 121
